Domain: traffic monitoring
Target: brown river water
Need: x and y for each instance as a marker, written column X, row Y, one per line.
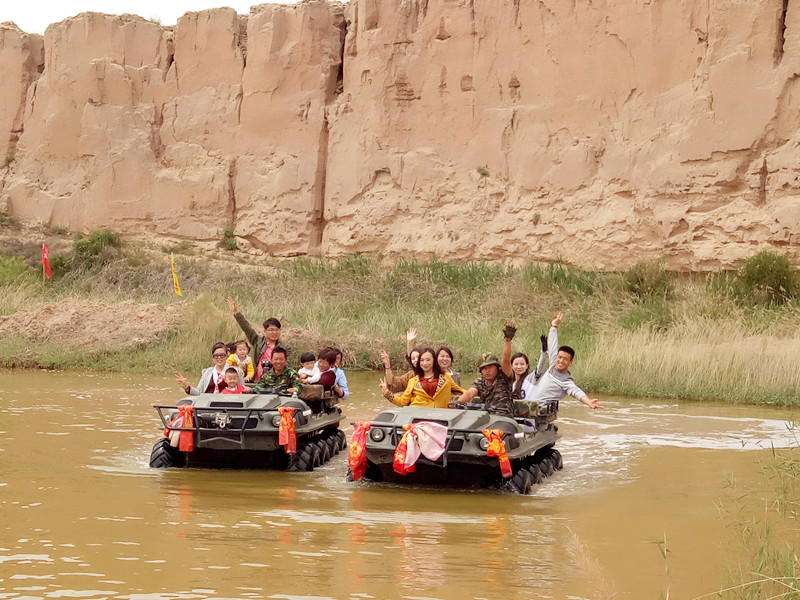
column 83, row 516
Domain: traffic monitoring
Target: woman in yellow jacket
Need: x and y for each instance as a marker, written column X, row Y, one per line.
column 429, row 387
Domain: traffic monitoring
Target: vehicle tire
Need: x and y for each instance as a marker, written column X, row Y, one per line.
column 324, row 450
column 333, row 443
column 342, row 439
column 546, row 466
column 520, row 483
column 304, row 459
column 165, row 456
column 556, row 460
column 536, row 474
column 316, row 460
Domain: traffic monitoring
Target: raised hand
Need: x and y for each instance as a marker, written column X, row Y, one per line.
column 387, row 363
column 181, row 380
column 232, row 304
column 557, row 319
column 411, row 335
column 509, row 330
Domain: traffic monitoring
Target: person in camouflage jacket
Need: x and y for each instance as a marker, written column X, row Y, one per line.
column 280, row 376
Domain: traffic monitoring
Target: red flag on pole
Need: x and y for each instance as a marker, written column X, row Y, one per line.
column 46, row 261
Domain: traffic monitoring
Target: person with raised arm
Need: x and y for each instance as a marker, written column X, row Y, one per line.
column 494, row 384
column 557, row 381
column 429, row 387
column 263, row 343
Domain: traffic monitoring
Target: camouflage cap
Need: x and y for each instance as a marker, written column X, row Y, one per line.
column 487, row 359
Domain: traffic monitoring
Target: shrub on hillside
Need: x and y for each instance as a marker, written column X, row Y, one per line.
column 13, row 269
column 97, row 248
column 768, row 278
column 648, row 279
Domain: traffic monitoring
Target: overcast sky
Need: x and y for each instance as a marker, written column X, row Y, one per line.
column 34, row 17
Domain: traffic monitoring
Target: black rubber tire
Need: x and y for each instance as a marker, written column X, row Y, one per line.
column 304, row 459
column 546, row 466
column 520, row 483
column 556, row 460
column 317, row 455
column 333, row 443
column 342, row 439
column 324, row 450
column 537, row 476
column 165, row 456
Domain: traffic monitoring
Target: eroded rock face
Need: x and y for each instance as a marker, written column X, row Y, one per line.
column 598, row 133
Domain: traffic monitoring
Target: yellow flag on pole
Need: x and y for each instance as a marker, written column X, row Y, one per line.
column 175, row 277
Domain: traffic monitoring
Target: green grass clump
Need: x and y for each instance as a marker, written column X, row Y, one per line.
column 99, row 247
column 228, row 241
column 648, row 280
column 14, row 270
column 768, row 278
column 557, row 276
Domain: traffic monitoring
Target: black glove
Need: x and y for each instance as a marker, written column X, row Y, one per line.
column 544, row 342
column 509, row 331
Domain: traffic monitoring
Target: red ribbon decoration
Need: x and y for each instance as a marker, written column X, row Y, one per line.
column 399, row 463
column 184, row 420
column 286, row 432
column 498, row 448
column 357, row 454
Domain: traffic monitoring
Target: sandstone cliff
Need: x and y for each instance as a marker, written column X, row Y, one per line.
column 599, row 132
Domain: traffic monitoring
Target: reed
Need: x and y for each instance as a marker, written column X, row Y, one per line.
column 763, row 526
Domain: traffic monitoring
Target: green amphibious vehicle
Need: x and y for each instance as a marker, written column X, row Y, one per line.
column 246, row 430
column 528, row 438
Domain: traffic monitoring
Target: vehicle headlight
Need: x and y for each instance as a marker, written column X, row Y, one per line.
column 484, row 443
column 377, row 434
column 276, row 421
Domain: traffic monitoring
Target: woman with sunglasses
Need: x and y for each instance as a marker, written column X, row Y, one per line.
column 212, row 379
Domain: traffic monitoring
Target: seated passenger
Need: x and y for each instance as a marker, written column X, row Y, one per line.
column 340, row 388
column 444, row 356
column 429, row 387
column 399, row 383
column 309, row 372
column 494, row 384
column 524, row 380
column 232, row 385
column 557, row 381
column 212, row 379
column 242, row 361
column 279, row 376
column 325, row 362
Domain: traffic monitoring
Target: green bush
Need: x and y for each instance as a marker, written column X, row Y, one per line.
column 768, row 278
column 557, row 276
column 228, row 240
column 96, row 249
column 648, row 279
column 652, row 312
column 13, row 269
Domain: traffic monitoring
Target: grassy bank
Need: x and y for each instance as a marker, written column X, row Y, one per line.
column 644, row 332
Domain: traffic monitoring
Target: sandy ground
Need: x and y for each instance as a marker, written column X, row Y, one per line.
column 92, row 324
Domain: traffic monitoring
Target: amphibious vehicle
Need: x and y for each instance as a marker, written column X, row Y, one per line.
column 269, row 429
column 469, row 459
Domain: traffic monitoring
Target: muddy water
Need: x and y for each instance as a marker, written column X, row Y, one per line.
column 82, row 515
